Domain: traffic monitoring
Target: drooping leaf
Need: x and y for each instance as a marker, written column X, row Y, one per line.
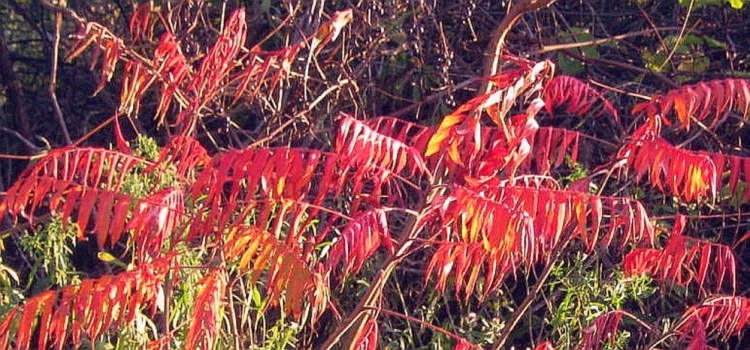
column 104, row 42
column 414, row 135
column 689, row 175
column 495, row 231
column 186, row 153
column 552, row 210
column 155, row 219
column 238, row 183
column 458, row 135
column 549, row 149
column 577, row 96
column 367, row 337
column 482, row 235
column 174, row 72
column 257, row 251
column 70, row 177
column 603, row 329
column 684, row 261
column 736, row 169
column 139, row 22
column 89, row 309
column 206, row 318
column 359, row 240
column 708, row 102
column 721, row 316
column 372, row 152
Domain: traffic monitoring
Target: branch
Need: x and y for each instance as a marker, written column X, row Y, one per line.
column 53, row 73
column 497, row 40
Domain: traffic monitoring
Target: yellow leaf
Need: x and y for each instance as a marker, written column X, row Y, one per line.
column 436, row 142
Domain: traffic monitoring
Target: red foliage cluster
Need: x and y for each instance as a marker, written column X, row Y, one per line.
column 486, row 208
column 89, row 309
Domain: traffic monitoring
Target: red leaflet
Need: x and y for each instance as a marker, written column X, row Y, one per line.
column 70, row 176
column 691, row 176
column 642, row 260
column 359, row 240
column 738, row 169
column 367, row 337
column 173, row 70
column 85, row 311
column 553, row 210
column 205, row 322
column 155, row 219
column 257, row 180
column 706, row 101
column 105, row 40
column 375, row 155
column 266, row 68
column 139, row 22
column 465, row 262
column 698, row 338
column 120, row 142
column 520, row 82
column 685, row 260
column 464, row 344
column 136, row 80
column 331, row 30
column 545, row 345
column 483, row 234
column 185, row 153
column 549, row 147
column 219, row 59
column 604, row 328
column 720, row 315
column 578, row 96
column 480, row 234
column 5, row 327
column 23, row 335
column 449, row 133
column 458, row 135
column 160, row 343
column 414, row 135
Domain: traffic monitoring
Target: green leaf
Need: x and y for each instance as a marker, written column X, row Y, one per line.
column 737, row 4
column 571, row 66
column 110, row 259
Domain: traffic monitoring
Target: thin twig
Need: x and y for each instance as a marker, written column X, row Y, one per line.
column 434, row 97
column 421, row 322
column 30, row 145
column 557, row 47
column 619, row 64
column 653, row 25
column 298, row 115
column 53, row 77
column 681, row 36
